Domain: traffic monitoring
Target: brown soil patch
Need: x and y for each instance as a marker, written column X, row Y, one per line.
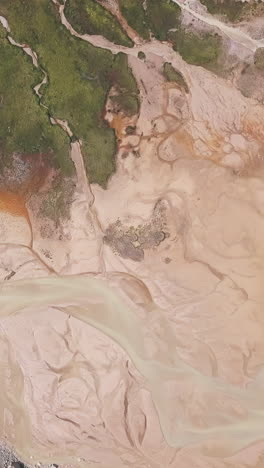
column 119, row 124
column 254, row 128
column 13, row 203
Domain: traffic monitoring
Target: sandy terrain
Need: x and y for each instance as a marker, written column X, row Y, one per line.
column 133, row 333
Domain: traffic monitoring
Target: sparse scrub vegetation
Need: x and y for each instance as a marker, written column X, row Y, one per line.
column 162, row 16
column 259, row 58
column 229, row 8
column 134, row 13
column 89, row 17
column 126, row 86
column 175, row 76
column 234, row 10
column 56, row 204
column 195, row 49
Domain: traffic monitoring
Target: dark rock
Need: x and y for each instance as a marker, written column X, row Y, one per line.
column 167, row 260
column 18, row 464
column 130, row 130
column 141, row 55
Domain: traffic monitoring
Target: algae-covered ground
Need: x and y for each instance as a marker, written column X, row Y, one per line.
column 80, row 77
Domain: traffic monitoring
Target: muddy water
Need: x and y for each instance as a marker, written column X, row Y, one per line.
column 233, row 417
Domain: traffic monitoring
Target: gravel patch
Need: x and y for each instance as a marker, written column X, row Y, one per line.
column 8, row 459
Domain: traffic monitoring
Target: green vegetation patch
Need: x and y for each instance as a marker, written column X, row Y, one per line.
column 126, row 86
column 134, row 13
column 259, row 58
column 175, row 76
column 25, row 127
column 100, row 144
column 127, row 102
column 233, row 10
column 197, row 49
column 89, row 17
column 80, row 76
column 162, row 15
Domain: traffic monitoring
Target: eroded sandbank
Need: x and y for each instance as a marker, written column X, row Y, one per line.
column 229, row 417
